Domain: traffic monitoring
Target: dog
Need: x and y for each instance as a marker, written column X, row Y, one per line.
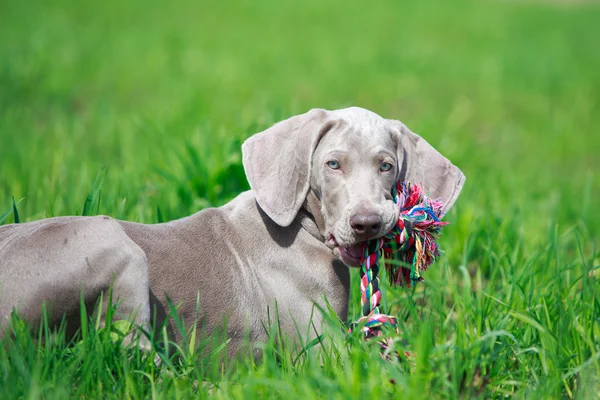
column 320, row 187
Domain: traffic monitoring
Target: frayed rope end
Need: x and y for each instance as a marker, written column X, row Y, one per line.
column 410, row 247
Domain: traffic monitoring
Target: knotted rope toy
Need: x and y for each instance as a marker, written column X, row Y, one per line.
column 411, row 242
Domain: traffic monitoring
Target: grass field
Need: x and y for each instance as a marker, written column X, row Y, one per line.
column 155, row 99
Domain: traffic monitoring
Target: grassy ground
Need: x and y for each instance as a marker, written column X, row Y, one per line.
column 162, row 96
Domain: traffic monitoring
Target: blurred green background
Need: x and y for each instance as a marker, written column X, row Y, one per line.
column 162, row 94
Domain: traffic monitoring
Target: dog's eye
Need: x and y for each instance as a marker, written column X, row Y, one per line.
column 386, row 166
column 333, row 164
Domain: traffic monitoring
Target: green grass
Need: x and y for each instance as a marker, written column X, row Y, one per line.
column 162, row 95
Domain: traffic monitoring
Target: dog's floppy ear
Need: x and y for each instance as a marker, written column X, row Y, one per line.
column 277, row 163
column 422, row 164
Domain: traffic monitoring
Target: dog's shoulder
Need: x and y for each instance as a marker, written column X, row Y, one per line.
column 242, row 206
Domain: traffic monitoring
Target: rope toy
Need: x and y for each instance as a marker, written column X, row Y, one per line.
column 408, row 249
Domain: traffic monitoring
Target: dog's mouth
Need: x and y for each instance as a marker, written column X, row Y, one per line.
column 351, row 255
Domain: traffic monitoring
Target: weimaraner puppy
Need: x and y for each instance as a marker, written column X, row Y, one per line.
column 320, row 186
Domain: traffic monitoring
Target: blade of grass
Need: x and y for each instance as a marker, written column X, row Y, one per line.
column 15, row 211
column 91, row 205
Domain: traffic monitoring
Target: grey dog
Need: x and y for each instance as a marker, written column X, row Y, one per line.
column 320, row 186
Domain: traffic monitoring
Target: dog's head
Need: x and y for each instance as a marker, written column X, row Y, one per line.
column 349, row 159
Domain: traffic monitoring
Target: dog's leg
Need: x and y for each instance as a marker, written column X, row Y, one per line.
column 130, row 281
column 55, row 260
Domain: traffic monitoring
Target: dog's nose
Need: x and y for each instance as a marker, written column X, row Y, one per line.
column 368, row 224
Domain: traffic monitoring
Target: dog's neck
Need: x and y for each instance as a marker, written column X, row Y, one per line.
column 315, row 223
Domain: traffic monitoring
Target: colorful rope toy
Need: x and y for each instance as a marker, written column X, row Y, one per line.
column 408, row 248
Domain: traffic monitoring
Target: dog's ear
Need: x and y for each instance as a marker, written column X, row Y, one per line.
column 422, row 164
column 277, row 163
